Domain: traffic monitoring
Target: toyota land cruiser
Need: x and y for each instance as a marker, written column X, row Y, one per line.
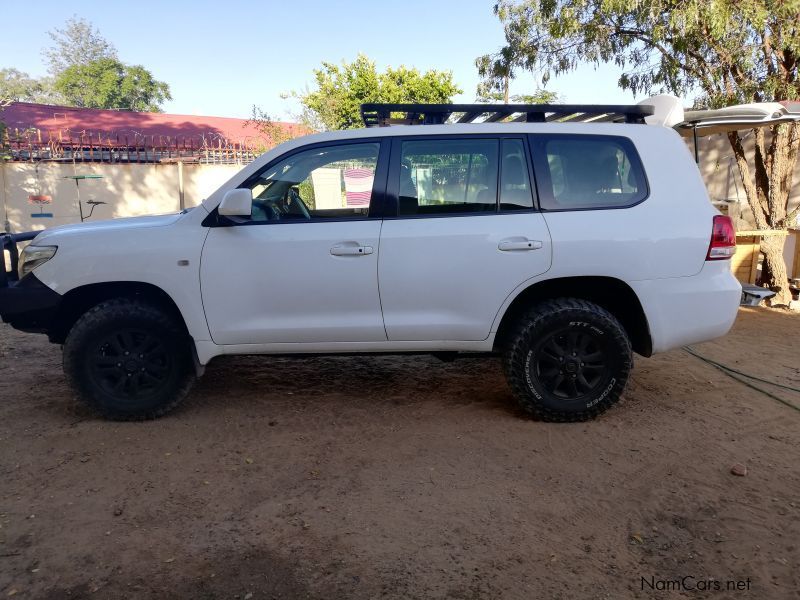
column 559, row 244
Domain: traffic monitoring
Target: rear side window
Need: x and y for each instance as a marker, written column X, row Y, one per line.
column 448, row 176
column 587, row 171
column 515, row 185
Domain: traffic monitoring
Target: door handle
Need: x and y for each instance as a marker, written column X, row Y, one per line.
column 350, row 249
column 519, row 244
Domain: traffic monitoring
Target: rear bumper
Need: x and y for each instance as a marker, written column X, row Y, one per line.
column 28, row 304
column 688, row 310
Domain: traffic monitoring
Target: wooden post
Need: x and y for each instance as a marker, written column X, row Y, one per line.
column 754, row 259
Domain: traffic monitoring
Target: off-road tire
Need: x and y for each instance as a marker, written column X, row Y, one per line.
column 126, row 338
column 532, row 354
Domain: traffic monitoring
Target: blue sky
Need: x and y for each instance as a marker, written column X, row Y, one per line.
column 221, row 57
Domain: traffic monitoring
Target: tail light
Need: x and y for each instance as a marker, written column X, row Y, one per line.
column 723, row 239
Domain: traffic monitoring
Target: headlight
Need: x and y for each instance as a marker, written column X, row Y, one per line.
column 33, row 256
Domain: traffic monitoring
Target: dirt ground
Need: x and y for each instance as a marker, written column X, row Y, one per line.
column 387, row 477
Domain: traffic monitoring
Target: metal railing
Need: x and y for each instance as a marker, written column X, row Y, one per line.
column 32, row 145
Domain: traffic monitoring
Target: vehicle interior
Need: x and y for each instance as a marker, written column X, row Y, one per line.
column 288, row 191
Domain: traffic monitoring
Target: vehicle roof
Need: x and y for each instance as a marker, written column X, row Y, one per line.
column 628, row 130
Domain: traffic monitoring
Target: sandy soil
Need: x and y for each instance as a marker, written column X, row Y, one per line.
column 390, row 477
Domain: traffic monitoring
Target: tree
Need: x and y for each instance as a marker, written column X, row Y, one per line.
column 270, row 133
column 731, row 51
column 341, row 89
column 107, row 83
column 496, row 72
column 78, row 43
column 488, row 93
column 16, row 86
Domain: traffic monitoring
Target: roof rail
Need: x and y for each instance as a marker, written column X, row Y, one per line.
column 381, row 115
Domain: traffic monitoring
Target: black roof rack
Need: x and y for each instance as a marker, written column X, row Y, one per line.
column 381, row 115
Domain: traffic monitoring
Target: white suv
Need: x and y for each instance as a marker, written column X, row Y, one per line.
column 561, row 246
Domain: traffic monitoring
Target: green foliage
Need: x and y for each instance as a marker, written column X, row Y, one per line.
column 731, row 51
column 85, row 72
column 486, row 93
column 270, row 133
column 540, row 96
column 78, row 43
column 107, row 83
column 341, row 89
column 16, row 86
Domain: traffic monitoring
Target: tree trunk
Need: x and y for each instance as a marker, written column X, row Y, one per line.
column 774, row 269
column 768, row 196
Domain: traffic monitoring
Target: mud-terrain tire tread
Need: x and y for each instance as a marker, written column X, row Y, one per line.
column 126, row 310
column 515, row 352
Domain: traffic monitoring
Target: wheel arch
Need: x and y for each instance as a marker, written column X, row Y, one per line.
column 611, row 293
column 80, row 299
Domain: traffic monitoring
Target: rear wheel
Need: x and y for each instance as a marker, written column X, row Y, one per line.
column 567, row 360
column 128, row 360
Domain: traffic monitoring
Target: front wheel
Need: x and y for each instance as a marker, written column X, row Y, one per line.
column 128, row 360
column 567, row 360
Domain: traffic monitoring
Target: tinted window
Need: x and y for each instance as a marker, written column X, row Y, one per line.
column 448, row 176
column 588, row 172
column 329, row 182
column 515, row 185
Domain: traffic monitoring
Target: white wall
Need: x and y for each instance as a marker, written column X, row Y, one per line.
column 127, row 189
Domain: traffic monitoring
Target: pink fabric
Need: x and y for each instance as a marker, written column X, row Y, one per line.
column 358, row 186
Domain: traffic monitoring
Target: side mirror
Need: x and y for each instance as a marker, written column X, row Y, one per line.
column 236, row 203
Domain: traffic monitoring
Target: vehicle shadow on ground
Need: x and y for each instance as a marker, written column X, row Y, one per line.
column 354, row 381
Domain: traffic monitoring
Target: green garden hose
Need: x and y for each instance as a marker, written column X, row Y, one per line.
column 743, row 377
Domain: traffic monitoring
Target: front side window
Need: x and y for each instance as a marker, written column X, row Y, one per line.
column 588, row 172
column 440, row 177
column 327, row 182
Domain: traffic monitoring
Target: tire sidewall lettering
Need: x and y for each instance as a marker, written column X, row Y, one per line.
column 594, row 328
column 605, row 393
column 528, row 378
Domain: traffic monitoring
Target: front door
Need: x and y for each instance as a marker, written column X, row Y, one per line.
column 303, row 267
column 465, row 237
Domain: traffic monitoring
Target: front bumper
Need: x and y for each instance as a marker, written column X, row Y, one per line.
column 28, row 304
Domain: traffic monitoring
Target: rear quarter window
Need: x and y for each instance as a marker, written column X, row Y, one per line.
column 587, row 171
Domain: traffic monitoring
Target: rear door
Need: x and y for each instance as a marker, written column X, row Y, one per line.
column 462, row 234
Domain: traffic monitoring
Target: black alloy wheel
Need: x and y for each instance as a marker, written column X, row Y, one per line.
column 128, row 359
column 567, row 359
column 571, row 363
column 130, row 364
